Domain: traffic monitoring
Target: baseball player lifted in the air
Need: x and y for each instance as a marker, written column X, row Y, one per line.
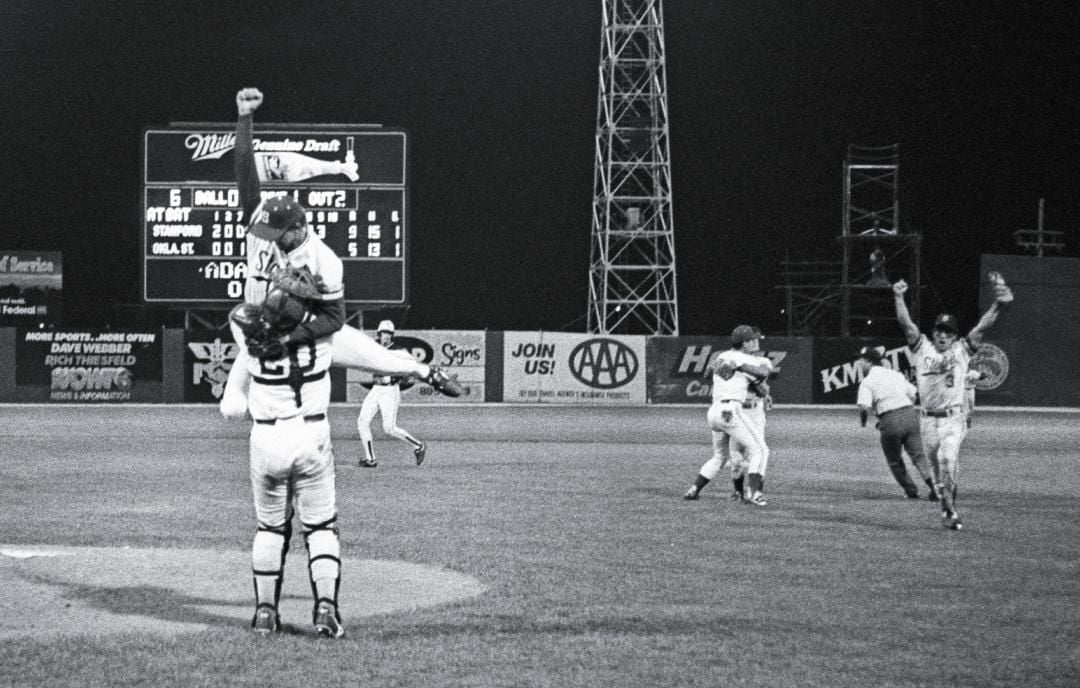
column 941, row 366
column 385, row 398
column 733, row 372
column 291, row 460
column 279, row 238
column 887, row 394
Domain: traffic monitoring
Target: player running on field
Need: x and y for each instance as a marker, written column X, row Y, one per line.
column 941, row 366
column 733, row 371
column 291, row 460
column 278, row 238
column 385, row 397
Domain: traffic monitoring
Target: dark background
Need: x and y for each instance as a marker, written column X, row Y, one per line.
column 500, row 100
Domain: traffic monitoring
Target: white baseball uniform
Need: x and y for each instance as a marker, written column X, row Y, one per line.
column 941, row 378
column 351, row 347
column 736, row 453
column 384, row 398
column 729, row 416
column 292, row 467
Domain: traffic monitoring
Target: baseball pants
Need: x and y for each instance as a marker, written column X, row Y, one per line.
column 900, row 431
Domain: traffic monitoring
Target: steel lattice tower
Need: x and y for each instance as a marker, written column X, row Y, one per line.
column 632, row 257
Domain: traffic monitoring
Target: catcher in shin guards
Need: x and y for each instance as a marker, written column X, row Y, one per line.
column 279, row 237
column 291, row 461
column 941, row 365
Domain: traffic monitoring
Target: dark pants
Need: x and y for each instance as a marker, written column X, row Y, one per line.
column 900, row 431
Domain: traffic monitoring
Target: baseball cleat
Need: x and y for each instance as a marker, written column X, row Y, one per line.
column 266, row 620
column 757, row 499
column 368, row 463
column 443, row 383
column 327, row 622
column 691, row 494
column 952, row 521
column 420, row 452
column 736, row 496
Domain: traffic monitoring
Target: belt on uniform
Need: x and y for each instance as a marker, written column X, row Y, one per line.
column 750, row 403
column 313, row 418
column 942, row 413
column 882, row 414
column 732, row 401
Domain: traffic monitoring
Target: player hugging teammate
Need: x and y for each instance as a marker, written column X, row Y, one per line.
column 291, row 327
column 737, row 418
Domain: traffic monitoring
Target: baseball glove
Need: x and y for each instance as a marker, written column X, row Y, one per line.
column 259, row 336
column 298, row 281
column 1002, row 293
column 265, row 346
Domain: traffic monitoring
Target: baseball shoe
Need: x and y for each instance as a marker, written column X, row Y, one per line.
column 691, row 494
column 443, row 383
column 911, row 495
column 368, row 463
column 736, row 496
column 420, row 452
column 757, row 499
column 327, row 621
column 266, row 620
column 952, row 521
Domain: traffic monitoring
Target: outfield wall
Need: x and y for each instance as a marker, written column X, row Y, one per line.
column 174, row 365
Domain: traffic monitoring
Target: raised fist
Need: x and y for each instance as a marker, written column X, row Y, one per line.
column 900, row 288
column 248, row 100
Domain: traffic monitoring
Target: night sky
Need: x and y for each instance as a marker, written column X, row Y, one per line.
column 500, row 100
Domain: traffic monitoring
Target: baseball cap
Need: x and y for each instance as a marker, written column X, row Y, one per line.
column 744, row 333
column 386, row 326
column 874, row 354
column 945, row 321
column 276, row 216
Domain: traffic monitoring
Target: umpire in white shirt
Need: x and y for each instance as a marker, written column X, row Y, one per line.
column 891, row 397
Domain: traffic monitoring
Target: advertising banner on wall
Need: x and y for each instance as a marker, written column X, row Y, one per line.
column 208, row 357
column 565, row 368
column 677, row 368
column 88, row 366
column 460, row 353
column 30, row 287
column 836, row 378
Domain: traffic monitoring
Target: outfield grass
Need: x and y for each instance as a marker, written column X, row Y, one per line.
column 597, row 572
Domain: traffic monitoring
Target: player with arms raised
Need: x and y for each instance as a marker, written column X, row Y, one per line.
column 941, row 366
column 279, row 240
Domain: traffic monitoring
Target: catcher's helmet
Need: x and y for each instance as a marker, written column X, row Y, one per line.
column 386, row 326
column 277, row 216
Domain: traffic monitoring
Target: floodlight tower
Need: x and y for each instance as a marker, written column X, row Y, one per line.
column 632, row 256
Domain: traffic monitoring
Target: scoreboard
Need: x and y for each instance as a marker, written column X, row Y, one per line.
column 351, row 179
